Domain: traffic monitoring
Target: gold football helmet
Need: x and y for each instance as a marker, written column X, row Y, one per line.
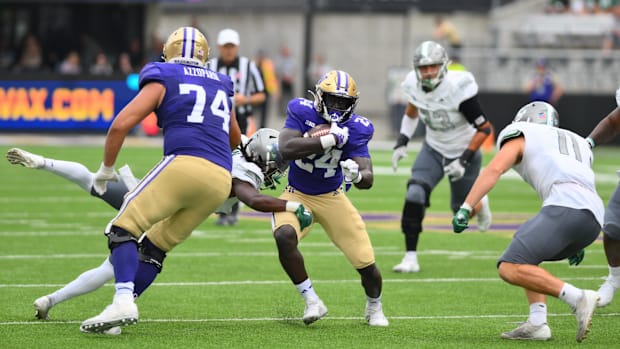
column 335, row 96
column 186, row 45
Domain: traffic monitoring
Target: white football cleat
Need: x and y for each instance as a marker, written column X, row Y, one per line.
column 606, row 292
column 114, row 331
column 584, row 311
column 114, row 315
column 315, row 310
column 18, row 156
column 407, row 265
column 484, row 216
column 527, row 331
column 374, row 315
column 42, row 306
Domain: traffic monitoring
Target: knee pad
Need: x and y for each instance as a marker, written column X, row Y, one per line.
column 413, row 214
column 117, row 236
column 151, row 254
column 418, row 193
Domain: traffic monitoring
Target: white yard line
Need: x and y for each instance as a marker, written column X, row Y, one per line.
column 280, row 282
column 328, row 318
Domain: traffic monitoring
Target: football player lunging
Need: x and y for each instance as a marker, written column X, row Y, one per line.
column 456, row 127
column 557, row 164
column 317, row 168
column 257, row 164
column 194, row 108
column 606, row 130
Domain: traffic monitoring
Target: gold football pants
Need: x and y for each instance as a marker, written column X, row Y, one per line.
column 176, row 196
column 338, row 217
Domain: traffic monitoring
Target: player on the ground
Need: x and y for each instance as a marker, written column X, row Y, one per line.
column 557, row 164
column 257, row 164
column 456, row 127
column 317, row 168
column 606, row 130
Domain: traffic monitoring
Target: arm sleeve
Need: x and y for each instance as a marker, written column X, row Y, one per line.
column 472, row 111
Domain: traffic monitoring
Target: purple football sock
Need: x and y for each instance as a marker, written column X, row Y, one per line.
column 144, row 277
column 125, row 260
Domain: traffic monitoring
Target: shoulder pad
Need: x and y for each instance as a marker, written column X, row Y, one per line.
column 463, row 83
column 150, row 72
column 509, row 132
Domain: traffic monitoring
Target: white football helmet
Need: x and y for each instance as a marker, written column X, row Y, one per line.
column 538, row 113
column 335, row 96
column 430, row 53
column 262, row 149
column 186, row 45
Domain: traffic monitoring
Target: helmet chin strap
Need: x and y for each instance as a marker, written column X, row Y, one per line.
column 335, row 117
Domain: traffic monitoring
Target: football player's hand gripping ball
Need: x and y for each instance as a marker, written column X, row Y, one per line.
column 103, row 175
column 341, row 134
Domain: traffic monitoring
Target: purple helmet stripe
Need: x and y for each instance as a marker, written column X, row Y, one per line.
column 188, row 43
column 184, row 38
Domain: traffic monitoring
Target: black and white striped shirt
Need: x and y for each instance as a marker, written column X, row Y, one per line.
column 245, row 76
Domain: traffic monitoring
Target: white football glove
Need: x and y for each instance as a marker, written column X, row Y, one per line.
column 454, row 170
column 127, row 177
column 342, row 134
column 399, row 153
column 618, row 96
column 101, row 178
column 351, row 171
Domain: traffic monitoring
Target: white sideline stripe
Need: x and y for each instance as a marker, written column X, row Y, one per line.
column 279, row 282
column 328, row 318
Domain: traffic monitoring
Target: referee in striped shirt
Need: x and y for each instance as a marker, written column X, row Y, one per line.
column 249, row 92
column 249, row 86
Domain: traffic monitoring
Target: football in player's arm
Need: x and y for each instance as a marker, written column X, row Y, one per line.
column 318, row 167
column 250, row 173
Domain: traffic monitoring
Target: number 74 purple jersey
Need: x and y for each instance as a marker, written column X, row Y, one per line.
column 195, row 112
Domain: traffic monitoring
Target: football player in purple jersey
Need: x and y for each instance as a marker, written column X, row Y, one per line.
column 195, row 110
column 318, row 166
column 257, row 165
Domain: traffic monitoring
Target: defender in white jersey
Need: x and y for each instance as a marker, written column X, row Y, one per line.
column 557, row 164
column 456, row 127
column 257, row 165
column 606, row 130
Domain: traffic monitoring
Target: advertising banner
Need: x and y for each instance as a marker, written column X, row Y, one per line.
column 62, row 105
